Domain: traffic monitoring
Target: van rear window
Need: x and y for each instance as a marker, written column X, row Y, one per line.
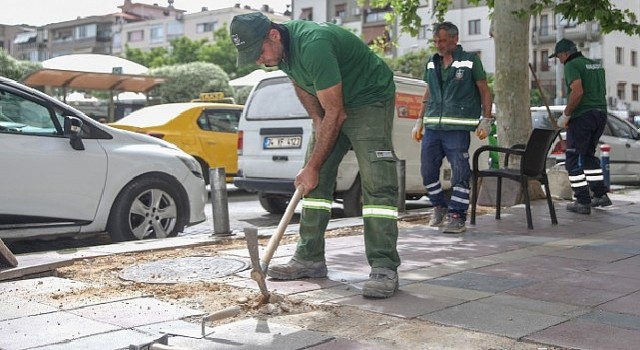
column 274, row 99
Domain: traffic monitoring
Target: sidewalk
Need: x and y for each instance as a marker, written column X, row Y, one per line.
column 571, row 285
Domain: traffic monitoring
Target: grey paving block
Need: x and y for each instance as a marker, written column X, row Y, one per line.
column 590, row 253
column 543, row 307
column 254, row 334
column 613, row 319
column 565, row 293
column 578, row 334
column 406, row 304
column 51, row 328
column 623, row 268
column 43, row 285
column 492, row 318
column 538, row 267
column 135, row 312
column 482, row 282
column 593, row 280
column 345, row 344
column 15, row 307
column 121, row 339
column 628, row 304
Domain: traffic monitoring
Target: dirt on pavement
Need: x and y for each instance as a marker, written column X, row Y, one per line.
column 378, row 330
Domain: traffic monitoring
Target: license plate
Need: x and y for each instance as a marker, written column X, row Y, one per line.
column 282, row 142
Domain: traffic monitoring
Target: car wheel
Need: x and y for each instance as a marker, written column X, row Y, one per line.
column 274, row 204
column 352, row 199
column 149, row 207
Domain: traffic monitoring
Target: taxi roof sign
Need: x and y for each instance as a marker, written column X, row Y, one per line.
column 214, row 97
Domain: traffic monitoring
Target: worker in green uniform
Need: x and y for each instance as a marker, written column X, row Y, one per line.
column 585, row 118
column 349, row 94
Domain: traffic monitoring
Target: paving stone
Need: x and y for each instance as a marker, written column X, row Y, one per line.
column 448, row 292
column 590, row 253
column 492, row 318
column 618, row 320
column 404, row 303
column 345, row 344
column 135, row 312
column 253, row 334
column 601, row 281
column 15, row 307
column 628, row 304
column 42, row 285
column 537, row 267
column 482, row 282
column 543, row 307
column 564, row 293
column 50, row 328
column 580, row 334
column 623, row 268
column 120, row 339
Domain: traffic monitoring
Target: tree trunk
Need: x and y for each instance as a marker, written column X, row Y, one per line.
column 511, row 87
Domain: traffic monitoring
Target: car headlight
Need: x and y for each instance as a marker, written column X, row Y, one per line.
column 192, row 165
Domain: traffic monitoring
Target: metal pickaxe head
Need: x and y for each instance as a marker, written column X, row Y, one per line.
column 257, row 273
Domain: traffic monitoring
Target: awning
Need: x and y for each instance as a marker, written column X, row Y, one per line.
column 25, row 37
column 92, row 81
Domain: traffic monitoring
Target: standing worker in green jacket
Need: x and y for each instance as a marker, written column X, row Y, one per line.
column 585, row 117
column 349, row 93
column 456, row 96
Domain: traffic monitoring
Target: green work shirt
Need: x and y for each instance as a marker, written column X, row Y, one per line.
column 593, row 83
column 322, row 55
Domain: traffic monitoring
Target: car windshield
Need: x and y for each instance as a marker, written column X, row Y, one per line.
column 275, row 99
column 154, row 115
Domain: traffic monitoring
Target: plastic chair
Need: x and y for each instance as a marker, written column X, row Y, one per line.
column 532, row 166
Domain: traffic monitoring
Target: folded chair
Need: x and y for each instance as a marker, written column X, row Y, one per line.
column 532, row 166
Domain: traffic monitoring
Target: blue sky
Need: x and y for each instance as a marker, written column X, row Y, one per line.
column 41, row 12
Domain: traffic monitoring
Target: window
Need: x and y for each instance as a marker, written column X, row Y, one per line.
column 306, row 14
column 544, row 60
column 341, row 10
column 219, row 120
column 18, row 115
column 137, row 35
column 174, row 29
column 621, row 91
column 634, row 92
column 619, row 55
column 376, row 15
column 157, row 34
column 535, row 61
column 85, row 31
column 423, row 32
column 205, row 27
column 474, row 27
column 544, row 25
column 634, row 58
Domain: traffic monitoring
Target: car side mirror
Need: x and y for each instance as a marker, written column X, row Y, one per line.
column 73, row 128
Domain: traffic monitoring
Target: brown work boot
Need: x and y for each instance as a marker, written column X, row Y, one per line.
column 382, row 283
column 438, row 216
column 298, row 268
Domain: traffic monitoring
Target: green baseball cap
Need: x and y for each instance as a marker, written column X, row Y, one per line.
column 247, row 33
column 564, row 45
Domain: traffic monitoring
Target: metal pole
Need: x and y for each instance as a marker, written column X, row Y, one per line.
column 604, row 163
column 559, row 100
column 219, row 202
column 402, row 183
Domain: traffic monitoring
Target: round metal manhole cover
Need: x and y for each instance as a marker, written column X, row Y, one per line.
column 183, row 270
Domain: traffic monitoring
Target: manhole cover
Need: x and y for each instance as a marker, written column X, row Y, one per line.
column 183, row 270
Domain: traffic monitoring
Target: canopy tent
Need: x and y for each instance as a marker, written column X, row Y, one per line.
column 250, row 79
column 93, row 72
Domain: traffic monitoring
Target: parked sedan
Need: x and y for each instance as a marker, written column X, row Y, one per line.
column 207, row 131
column 624, row 138
column 65, row 174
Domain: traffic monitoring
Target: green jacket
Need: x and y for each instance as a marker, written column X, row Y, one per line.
column 454, row 100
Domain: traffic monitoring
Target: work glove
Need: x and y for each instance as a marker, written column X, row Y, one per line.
column 563, row 121
column 417, row 131
column 484, row 128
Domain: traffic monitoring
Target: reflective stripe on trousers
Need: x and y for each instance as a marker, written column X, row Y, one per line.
column 367, row 130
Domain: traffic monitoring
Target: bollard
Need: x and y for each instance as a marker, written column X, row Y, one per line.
column 219, row 202
column 604, row 163
column 402, row 183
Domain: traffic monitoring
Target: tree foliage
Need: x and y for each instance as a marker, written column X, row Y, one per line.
column 187, row 81
column 14, row 69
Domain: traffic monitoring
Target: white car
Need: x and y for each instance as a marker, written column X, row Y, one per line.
column 63, row 173
column 621, row 135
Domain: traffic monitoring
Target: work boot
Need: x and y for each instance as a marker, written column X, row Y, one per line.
column 437, row 217
column 455, row 224
column 602, row 201
column 298, row 268
column 382, row 283
column 579, row 208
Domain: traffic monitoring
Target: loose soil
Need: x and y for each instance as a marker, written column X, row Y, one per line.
column 377, row 330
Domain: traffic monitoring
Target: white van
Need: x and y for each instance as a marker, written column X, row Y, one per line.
column 274, row 132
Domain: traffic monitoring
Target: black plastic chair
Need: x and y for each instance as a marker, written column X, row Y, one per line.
column 533, row 158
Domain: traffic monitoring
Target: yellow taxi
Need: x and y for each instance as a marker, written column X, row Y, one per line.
column 205, row 130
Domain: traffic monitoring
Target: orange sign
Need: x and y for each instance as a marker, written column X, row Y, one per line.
column 408, row 105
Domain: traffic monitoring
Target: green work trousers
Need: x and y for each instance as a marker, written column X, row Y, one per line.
column 367, row 130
